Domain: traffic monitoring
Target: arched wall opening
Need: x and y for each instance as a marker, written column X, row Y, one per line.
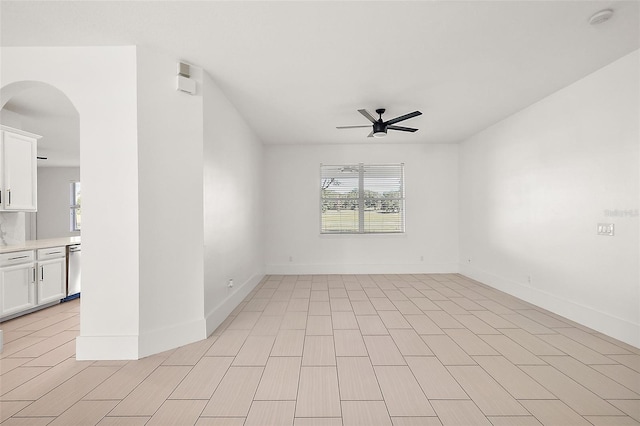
column 142, row 180
column 43, row 109
column 101, row 85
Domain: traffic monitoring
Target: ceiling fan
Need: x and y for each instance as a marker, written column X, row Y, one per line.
column 380, row 127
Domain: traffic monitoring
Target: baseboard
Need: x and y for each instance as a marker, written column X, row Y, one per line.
column 163, row 339
column 139, row 346
column 93, row 348
column 149, row 343
column 218, row 314
column 368, row 268
column 603, row 322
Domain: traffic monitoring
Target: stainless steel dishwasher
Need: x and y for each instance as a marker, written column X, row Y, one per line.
column 74, row 253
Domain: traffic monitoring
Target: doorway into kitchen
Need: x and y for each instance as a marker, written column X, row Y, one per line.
column 46, row 111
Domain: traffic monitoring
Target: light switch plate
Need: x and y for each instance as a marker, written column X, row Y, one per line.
column 605, row 229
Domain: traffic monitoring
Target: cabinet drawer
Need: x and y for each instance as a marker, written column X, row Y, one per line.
column 51, row 253
column 16, row 257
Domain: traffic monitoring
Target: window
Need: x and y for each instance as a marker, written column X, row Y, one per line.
column 362, row 199
column 76, row 211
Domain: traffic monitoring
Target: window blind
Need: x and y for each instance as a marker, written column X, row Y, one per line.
column 362, row 198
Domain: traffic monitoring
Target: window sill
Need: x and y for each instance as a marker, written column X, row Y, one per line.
column 364, row 235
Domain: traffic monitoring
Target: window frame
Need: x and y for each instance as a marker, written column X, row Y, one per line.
column 362, row 200
column 74, row 207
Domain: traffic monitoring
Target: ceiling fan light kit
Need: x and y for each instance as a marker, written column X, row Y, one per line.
column 380, row 127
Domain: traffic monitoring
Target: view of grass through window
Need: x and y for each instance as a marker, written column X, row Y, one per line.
column 362, row 198
column 76, row 210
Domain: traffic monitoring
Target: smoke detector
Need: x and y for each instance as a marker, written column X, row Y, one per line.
column 600, row 17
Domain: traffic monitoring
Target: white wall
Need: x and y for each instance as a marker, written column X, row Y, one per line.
column 170, row 179
column 144, row 172
column 61, row 132
column 101, row 84
column 233, row 206
column 293, row 217
column 53, row 216
column 11, row 119
column 533, row 189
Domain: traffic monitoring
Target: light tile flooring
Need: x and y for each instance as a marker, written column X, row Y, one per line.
column 369, row 350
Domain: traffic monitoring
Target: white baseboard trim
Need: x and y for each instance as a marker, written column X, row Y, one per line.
column 139, row 346
column 409, row 268
column 93, row 348
column 176, row 335
column 603, row 322
column 155, row 341
column 218, row 314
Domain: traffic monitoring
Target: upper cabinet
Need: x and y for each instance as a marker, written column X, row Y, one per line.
column 18, row 170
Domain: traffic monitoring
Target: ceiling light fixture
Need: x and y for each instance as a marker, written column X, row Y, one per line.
column 379, row 128
column 600, row 17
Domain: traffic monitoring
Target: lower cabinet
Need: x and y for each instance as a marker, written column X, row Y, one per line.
column 52, row 275
column 17, row 288
column 28, row 281
column 17, row 282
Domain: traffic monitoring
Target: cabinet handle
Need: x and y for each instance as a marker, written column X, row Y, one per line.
column 17, row 257
column 42, row 273
column 54, row 252
column 34, row 274
column 9, row 191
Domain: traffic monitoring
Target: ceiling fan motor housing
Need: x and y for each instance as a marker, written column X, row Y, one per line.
column 379, row 127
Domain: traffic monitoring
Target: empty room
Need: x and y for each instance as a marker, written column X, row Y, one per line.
column 320, row 213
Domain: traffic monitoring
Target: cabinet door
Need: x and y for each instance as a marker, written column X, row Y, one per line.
column 51, row 280
column 17, row 288
column 19, row 163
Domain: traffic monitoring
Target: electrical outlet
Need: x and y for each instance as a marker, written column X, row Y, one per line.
column 230, row 285
column 290, row 258
column 421, row 258
column 529, row 279
column 605, row 229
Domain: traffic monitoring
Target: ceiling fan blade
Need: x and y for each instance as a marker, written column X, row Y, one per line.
column 366, row 114
column 370, row 134
column 353, row 127
column 403, row 117
column 404, row 129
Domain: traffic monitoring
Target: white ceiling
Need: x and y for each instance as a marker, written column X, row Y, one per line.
column 296, row 70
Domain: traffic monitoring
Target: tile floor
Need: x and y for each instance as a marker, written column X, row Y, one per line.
column 401, row 350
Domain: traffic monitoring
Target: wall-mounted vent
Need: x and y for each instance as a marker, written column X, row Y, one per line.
column 184, row 83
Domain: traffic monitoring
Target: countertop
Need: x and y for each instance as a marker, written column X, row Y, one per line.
column 38, row 244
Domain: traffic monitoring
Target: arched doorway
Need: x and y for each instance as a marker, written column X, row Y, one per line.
column 45, row 110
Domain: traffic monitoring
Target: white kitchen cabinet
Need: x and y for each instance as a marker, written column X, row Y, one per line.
column 17, row 282
column 18, row 170
column 52, row 274
column 31, row 279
